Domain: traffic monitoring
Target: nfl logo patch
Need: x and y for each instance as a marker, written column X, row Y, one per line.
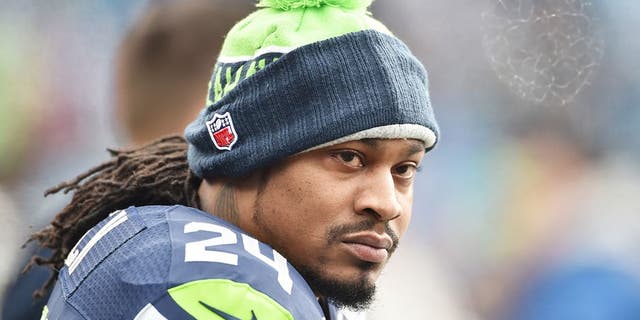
column 222, row 131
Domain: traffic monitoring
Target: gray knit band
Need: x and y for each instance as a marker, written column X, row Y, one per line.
column 360, row 85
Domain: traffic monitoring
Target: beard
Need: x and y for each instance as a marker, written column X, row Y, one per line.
column 356, row 294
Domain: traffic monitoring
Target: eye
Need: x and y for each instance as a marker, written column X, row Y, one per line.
column 349, row 158
column 405, row 170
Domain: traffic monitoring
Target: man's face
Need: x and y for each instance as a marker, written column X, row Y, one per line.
column 336, row 213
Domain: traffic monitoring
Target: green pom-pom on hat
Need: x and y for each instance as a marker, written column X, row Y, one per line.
column 286, row 5
column 279, row 27
column 283, row 25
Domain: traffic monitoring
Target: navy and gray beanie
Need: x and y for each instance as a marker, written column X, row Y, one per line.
column 301, row 74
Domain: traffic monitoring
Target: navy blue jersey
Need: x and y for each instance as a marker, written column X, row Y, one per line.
column 161, row 262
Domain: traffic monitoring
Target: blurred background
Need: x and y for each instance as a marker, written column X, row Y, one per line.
column 529, row 208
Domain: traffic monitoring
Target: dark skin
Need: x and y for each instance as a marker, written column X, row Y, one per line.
column 337, row 211
column 226, row 205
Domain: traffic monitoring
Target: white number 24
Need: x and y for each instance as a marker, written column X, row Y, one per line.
column 199, row 251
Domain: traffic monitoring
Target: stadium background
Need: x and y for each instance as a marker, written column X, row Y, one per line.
column 532, row 190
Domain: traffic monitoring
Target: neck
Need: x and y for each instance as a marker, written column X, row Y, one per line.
column 229, row 199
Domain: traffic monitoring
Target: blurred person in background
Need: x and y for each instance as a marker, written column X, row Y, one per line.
column 538, row 173
column 164, row 63
column 566, row 223
column 588, row 266
column 162, row 67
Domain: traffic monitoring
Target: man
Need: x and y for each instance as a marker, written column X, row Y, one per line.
column 297, row 184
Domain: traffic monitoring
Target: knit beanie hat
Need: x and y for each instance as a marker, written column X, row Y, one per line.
column 297, row 75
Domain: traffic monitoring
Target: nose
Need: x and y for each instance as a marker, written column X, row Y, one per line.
column 379, row 197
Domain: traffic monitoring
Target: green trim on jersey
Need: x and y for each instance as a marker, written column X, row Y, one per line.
column 239, row 300
column 45, row 313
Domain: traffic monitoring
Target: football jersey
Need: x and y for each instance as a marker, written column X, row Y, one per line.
column 176, row 262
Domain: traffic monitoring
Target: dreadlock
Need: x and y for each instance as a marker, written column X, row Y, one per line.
column 155, row 174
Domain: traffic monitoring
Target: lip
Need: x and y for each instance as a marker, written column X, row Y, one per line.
column 369, row 246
